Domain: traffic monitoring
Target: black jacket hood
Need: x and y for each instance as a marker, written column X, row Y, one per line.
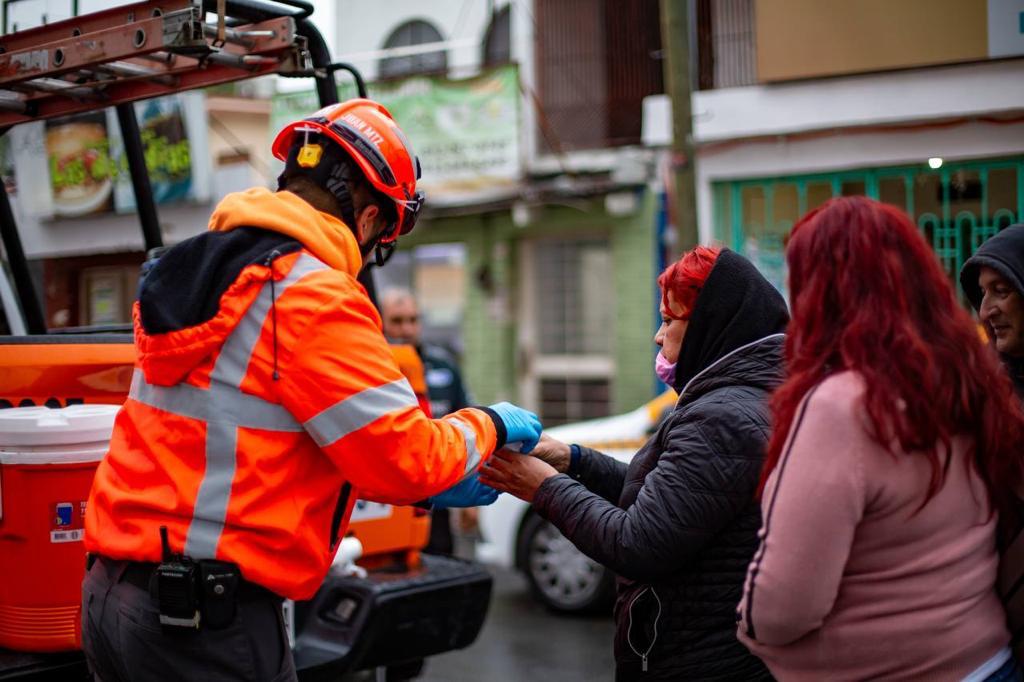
column 183, row 288
column 1004, row 253
column 735, row 307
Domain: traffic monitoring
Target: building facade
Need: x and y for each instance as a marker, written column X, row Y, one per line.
column 918, row 103
column 554, row 301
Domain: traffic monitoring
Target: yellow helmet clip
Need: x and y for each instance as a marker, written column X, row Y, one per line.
column 310, row 155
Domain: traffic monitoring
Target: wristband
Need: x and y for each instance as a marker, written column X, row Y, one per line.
column 574, row 460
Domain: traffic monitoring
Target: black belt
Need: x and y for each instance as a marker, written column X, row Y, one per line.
column 140, row 574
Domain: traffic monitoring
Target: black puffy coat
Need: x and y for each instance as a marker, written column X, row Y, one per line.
column 679, row 524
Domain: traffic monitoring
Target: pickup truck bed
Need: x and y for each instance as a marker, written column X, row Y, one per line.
column 389, row 618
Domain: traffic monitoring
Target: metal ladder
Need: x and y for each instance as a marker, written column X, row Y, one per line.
column 144, row 50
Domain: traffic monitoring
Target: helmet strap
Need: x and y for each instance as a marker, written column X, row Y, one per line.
column 383, row 252
column 336, row 183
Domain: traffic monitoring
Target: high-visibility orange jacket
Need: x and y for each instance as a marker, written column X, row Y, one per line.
column 265, row 401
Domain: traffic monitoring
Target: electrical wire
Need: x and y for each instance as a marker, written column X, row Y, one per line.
column 240, row 148
column 461, row 20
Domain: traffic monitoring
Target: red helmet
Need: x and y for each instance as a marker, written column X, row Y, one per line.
column 367, row 131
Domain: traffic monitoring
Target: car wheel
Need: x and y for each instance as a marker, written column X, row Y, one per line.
column 562, row 577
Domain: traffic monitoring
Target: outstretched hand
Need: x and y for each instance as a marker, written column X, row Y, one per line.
column 554, row 452
column 469, row 492
column 517, row 474
column 521, row 426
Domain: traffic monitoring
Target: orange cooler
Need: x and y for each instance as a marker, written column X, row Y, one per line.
column 47, row 461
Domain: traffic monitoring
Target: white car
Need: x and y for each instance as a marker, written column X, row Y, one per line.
column 514, row 536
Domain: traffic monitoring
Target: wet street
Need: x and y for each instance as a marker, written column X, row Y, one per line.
column 523, row 641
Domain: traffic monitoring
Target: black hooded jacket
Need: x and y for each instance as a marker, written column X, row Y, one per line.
column 1004, row 253
column 679, row 524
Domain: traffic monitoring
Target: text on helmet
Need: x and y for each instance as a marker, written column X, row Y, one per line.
column 364, row 128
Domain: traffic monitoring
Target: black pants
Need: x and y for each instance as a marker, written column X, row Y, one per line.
column 124, row 641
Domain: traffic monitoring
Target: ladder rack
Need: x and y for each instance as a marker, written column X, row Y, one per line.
column 138, row 51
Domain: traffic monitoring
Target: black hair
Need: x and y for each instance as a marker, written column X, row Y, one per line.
column 339, row 175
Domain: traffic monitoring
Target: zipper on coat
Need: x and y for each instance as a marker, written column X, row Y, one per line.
column 629, row 629
column 339, row 513
column 273, row 305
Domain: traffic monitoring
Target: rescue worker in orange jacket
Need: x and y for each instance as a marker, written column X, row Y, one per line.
column 264, row 402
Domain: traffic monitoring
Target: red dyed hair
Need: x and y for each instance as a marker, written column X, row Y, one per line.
column 868, row 294
column 685, row 277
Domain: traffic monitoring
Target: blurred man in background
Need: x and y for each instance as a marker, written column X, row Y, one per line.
column 447, row 393
column 993, row 279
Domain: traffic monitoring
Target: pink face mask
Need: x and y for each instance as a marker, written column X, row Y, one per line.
column 665, row 370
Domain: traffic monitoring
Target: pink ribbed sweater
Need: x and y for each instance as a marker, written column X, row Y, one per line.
column 849, row 583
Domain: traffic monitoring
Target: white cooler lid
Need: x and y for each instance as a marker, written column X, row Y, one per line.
column 26, row 433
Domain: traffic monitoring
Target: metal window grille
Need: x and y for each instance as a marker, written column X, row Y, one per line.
column 726, row 40
column 596, row 62
column 569, row 400
column 573, row 304
column 574, row 297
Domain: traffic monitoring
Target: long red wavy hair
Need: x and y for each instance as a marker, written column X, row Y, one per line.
column 868, row 294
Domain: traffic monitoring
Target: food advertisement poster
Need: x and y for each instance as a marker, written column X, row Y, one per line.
column 165, row 144
column 83, row 157
column 81, row 170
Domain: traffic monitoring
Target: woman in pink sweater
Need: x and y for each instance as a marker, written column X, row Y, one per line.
column 896, row 444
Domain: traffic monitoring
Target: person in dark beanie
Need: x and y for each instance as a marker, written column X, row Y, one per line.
column 993, row 279
column 679, row 524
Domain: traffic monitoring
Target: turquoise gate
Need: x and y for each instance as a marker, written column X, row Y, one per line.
column 957, row 206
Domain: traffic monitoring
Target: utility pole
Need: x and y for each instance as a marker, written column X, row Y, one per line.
column 675, row 46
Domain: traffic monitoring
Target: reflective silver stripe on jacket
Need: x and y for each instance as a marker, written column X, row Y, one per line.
column 225, row 408
column 358, row 410
column 472, row 452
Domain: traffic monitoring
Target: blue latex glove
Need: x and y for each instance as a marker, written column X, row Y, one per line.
column 521, row 425
column 469, row 492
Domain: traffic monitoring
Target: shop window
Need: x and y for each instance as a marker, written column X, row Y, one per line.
column 928, row 205
column 818, row 193
column 1001, row 203
column 764, row 235
column 852, row 188
column 574, row 290
column 566, row 322
column 893, row 190
column 785, row 208
column 571, row 400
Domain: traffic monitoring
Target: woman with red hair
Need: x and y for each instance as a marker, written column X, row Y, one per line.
column 896, row 444
column 678, row 525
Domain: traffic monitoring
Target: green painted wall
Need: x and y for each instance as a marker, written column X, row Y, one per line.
column 633, row 245
column 490, row 363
